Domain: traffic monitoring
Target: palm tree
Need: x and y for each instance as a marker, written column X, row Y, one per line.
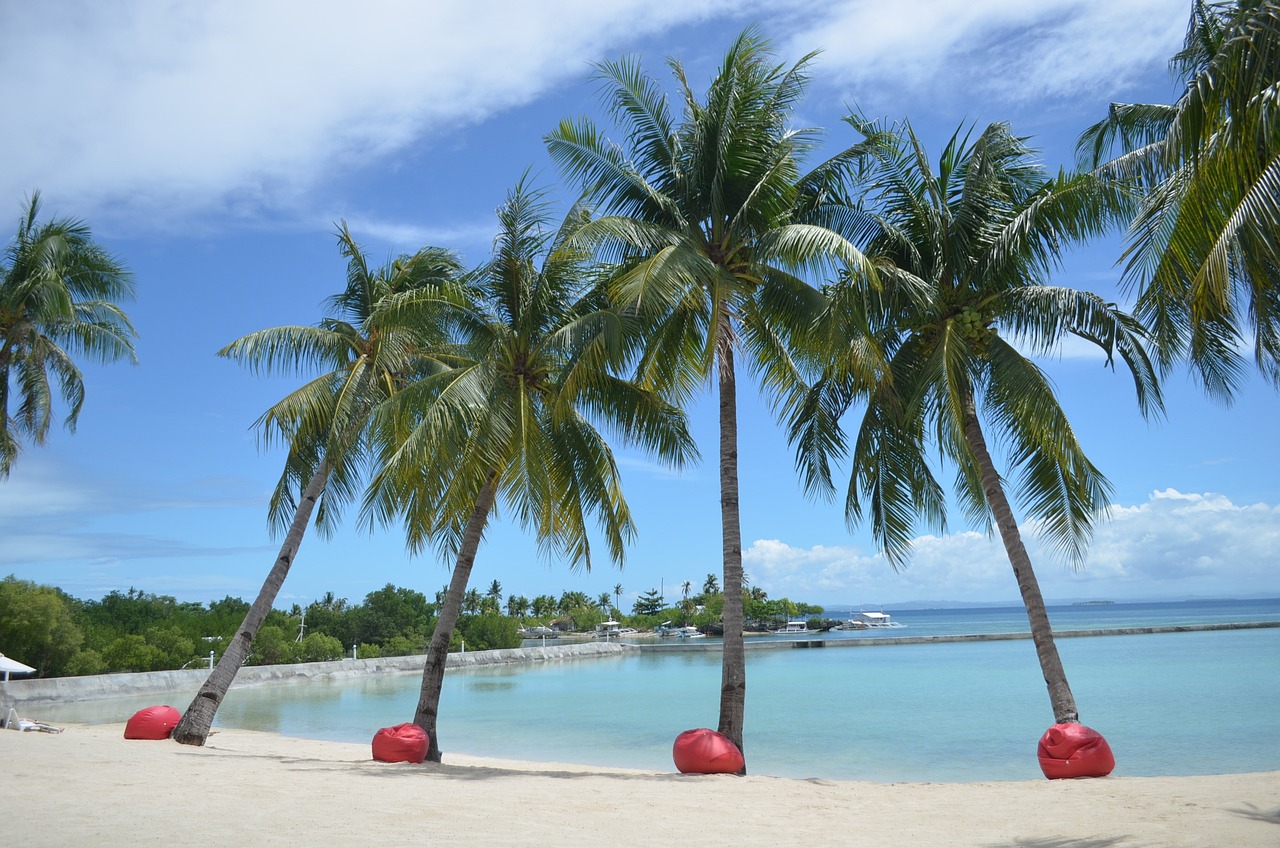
column 531, row 356
column 711, row 586
column 365, row 359
column 542, row 606
column 707, row 224
column 58, row 297
column 617, row 594
column 963, row 253
column 1202, row 250
column 573, row 600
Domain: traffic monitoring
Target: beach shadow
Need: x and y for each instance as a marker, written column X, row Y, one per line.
column 483, row 773
column 1251, row 811
column 1070, row 842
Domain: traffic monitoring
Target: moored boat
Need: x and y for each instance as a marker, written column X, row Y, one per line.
column 878, row 619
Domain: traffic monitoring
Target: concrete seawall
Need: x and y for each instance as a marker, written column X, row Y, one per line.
column 18, row 693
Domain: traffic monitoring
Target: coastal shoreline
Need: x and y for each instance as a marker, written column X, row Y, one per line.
column 20, row 693
column 89, row 785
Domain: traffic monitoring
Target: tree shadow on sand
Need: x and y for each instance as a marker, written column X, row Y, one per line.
column 1069, row 842
column 1250, row 811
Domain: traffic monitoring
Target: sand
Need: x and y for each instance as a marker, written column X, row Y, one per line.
column 90, row 786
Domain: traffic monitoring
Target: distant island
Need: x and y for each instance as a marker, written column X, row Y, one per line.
column 1091, row 603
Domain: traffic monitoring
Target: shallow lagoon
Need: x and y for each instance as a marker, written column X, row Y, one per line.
column 1170, row 704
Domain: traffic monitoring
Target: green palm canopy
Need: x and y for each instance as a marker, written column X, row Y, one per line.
column 59, row 297
column 356, row 359
column 1203, row 251
column 711, row 226
column 517, row 415
column 940, row 352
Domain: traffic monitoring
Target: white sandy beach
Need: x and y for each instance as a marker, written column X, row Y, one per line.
column 90, row 786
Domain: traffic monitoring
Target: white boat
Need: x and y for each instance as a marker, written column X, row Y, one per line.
column 665, row 630
column 608, row 630
column 878, row 619
column 793, row 627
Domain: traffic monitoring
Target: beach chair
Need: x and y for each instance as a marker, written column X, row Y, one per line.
column 13, row 722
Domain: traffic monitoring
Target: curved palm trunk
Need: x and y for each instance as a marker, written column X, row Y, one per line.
column 733, row 669
column 193, row 729
column 1064, row 703
column 438, row 651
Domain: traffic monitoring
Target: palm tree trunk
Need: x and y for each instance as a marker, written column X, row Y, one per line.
column 733, row 669
column 193, row 729
column 1055, row 677
column 438, row 651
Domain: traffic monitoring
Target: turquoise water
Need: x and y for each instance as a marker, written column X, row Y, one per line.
column 1169, row 704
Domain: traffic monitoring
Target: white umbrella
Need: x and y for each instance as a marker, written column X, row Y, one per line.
column 11, row 666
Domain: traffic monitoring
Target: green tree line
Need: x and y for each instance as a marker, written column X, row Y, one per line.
column 135, row 630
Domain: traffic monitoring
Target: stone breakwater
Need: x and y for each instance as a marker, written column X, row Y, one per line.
column 187, row 681
column 868, row 641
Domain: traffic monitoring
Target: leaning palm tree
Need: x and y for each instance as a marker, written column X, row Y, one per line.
column 963, row 251
column 710, row 224
column 1202, row 251
column 364, row 359
column 58, row 297
column 528, row 367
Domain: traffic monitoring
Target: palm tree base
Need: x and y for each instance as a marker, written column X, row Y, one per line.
column 1070, row 750
column 704, row 751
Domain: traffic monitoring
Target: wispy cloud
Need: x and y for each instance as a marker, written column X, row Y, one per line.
column 1011, row 50
column 50, row 515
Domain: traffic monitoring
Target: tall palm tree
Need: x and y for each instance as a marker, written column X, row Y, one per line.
column 59, row 293
column 530, row 366
column 1202, row 250
column 710, row 222
column 964, row 251
column 617, row 594
column 364, row 357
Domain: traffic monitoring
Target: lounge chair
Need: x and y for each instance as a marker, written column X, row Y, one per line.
column 13, row 722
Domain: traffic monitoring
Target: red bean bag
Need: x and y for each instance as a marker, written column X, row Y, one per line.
column 1073, row 750
column 404, row 743
column 152, row 723
column 704, row 751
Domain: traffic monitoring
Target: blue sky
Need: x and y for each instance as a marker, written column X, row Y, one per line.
column 213, row 147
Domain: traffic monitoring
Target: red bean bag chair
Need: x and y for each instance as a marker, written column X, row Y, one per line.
column 152, row 723
column 404, row 743
column 704, row 751
column 1073, row 750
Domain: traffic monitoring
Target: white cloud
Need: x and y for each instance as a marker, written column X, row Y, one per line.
column 1173, row 545
column 1016, row 50
column 244, row 105
column 240, row 108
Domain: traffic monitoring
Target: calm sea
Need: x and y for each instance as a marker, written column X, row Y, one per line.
column 1169, row 704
